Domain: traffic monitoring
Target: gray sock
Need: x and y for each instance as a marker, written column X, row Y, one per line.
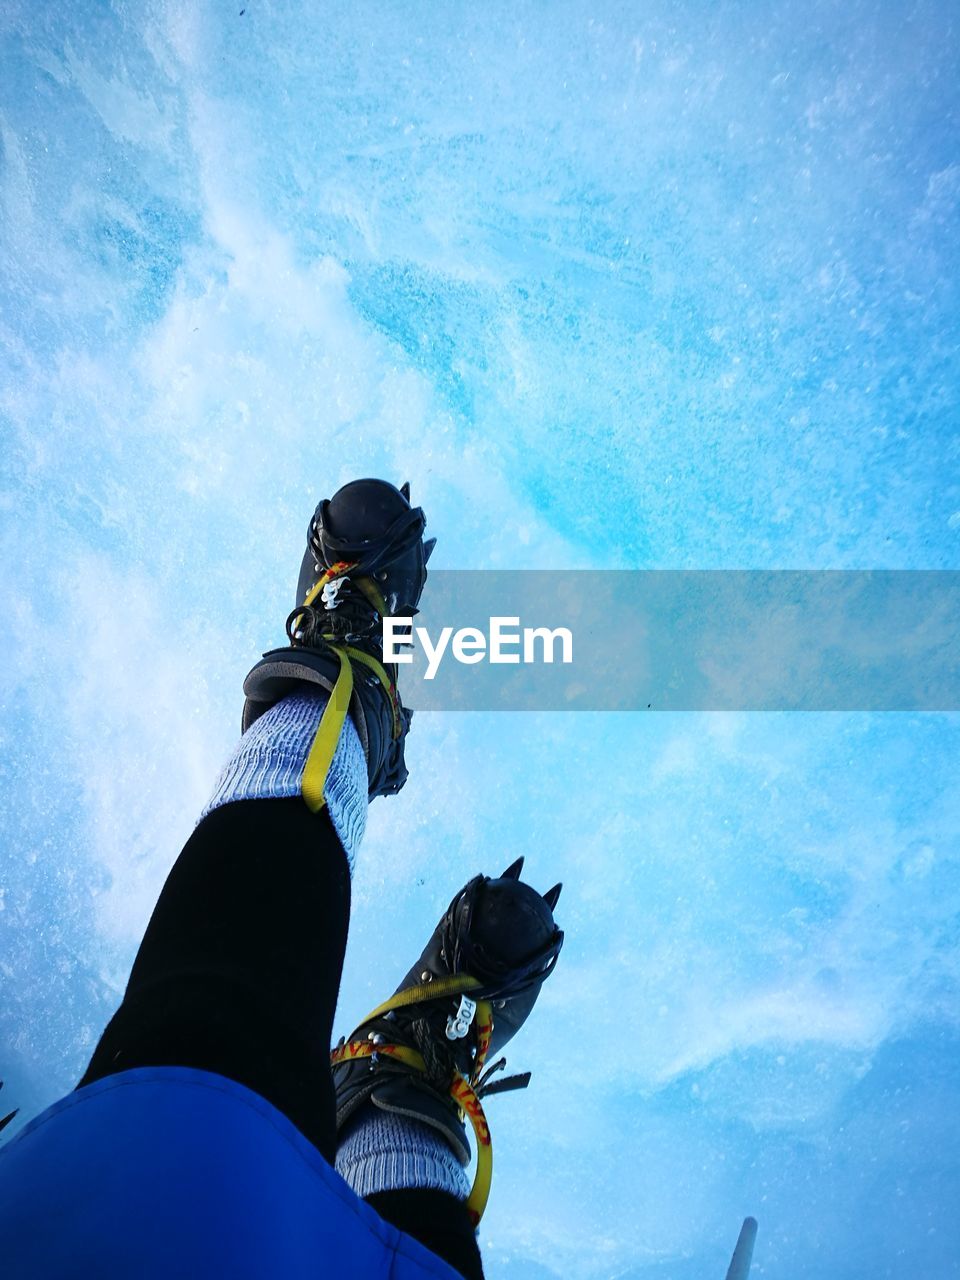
column 269, row 759
column 381, row 1151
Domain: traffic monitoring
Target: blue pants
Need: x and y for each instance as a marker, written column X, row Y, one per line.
column 168, row 1171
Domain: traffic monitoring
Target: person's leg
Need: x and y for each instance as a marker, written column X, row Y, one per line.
column 403, row 1140
column 239, row 970
column 240, row 966
column 439, row 1221
column 409, row 1173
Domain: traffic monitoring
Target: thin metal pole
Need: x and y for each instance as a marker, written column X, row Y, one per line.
column 743, row 1254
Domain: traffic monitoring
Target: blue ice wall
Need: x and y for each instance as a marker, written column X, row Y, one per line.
column 614, row 285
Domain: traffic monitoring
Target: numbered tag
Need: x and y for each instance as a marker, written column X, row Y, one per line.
column 459, row 1025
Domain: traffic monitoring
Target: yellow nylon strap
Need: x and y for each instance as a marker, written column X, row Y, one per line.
column 321, row 753
column 463, row 1094
column 373, row 594
column 354, row 1049
column 456, row 984
column 336, row 570
column 367, row 660
column 324, row 744
column 317, row 587
column 484, row 1020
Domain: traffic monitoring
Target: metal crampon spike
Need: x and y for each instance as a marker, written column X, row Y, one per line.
column 552, row 896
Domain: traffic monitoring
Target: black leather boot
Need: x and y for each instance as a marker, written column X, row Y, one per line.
column 425, row 1052
column 365, row 560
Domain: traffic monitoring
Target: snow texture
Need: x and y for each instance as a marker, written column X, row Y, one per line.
column 624, row 286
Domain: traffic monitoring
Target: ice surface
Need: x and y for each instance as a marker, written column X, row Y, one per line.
column 671, row 285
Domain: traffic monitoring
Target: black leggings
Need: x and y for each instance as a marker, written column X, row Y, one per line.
column 239, row 972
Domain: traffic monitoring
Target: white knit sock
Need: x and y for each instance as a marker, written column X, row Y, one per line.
column 269, row 759
column 381, row 1151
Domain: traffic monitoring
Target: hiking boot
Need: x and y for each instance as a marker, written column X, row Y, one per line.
column 365, row 560
column 467, row 995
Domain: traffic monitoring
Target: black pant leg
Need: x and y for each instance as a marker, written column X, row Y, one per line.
column 438, row 1220
column 239, row 969
column 238, row 973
